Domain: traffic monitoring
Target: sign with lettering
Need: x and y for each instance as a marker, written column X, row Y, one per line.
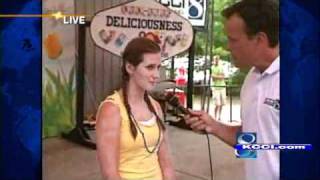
column 112, row 29
column 193, row 10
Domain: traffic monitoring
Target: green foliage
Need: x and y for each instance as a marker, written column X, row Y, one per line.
column 238, row 77
column 237, row 80
column 220, row 40
column 58, row 103
column 219, row 37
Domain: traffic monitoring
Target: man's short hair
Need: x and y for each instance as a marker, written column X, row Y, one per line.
column 259, row 16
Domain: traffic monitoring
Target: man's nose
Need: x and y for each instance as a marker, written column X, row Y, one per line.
column 156, row 74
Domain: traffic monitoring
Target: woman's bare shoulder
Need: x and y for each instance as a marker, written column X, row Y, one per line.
column 108, row 112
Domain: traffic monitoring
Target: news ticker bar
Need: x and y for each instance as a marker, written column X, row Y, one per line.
column 273, row 147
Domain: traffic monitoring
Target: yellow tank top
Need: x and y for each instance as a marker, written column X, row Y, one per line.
column 136, row 163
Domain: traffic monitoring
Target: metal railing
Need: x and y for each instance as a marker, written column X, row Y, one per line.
column 206, row 92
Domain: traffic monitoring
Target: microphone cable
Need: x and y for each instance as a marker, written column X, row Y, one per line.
column 173, row 101
column 210, row 157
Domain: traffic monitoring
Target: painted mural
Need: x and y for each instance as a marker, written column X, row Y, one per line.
column 58, row 69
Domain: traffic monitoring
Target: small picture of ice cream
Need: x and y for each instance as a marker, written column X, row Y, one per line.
column 171, row 40
column 154, row 37
column 105, row 36
column 183, row 39
column 120, row 40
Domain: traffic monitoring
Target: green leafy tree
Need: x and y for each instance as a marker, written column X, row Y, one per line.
column 219, row 46
column 219, row 37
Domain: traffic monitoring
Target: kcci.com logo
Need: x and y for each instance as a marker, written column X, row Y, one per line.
column 246, row 138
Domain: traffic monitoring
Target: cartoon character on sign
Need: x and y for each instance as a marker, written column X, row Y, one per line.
column 182, row 39
column 173, row 41
column 121, row 39
column 150, row 35
column 105, row 36
column 170, row 40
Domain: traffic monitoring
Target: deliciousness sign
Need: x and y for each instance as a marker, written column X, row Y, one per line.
column 113, row 28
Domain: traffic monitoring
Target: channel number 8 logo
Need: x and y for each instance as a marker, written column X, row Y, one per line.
column 246, row 138
column 196, row 9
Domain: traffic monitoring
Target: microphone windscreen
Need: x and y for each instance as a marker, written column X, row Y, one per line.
column 174, row 101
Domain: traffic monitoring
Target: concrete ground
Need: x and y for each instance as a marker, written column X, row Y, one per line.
column 64, row 160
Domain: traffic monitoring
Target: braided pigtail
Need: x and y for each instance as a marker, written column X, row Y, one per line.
column 125, row 80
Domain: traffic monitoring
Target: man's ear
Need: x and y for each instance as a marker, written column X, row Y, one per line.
column 262, row 38
column 130, row 68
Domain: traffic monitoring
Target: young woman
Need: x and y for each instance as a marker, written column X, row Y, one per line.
column 131, row 140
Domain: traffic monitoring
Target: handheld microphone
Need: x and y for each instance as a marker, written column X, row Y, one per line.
column 174, row 101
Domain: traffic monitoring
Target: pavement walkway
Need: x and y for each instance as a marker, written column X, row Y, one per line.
column 64, row 160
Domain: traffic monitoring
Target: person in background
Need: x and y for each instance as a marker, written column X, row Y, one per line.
column 131, row 138
column 218, row 89
column 252, row 27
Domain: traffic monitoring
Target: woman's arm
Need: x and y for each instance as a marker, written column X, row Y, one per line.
column 108, row 140
column 165, row 159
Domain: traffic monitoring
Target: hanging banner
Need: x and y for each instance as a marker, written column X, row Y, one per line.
column 193, row 10
column 112, row 29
